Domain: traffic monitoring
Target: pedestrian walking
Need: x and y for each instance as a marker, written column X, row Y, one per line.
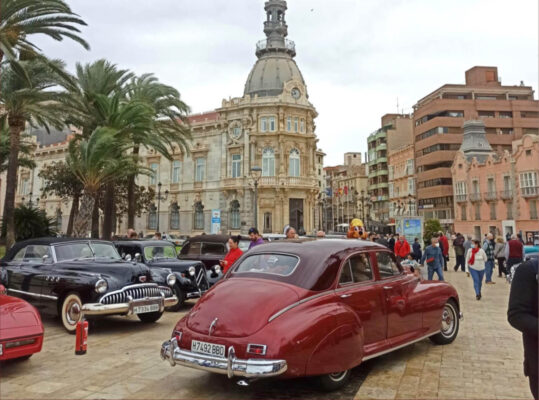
column 514, row 253
column 499, row 254
column 416, row 249
column 522, row 315
column 488, row 247
column 402, row 248
column 255, row 237
column 467, row 246
column 444, row 246
column 391, row 243
column 434, row 259
column 458, row 247
column 476, row 259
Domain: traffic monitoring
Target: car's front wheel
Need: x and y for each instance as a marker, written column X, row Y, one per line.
column 337, row 380
column 450, row 324
column 70, row 311
column 150, row 317
column 178, row 292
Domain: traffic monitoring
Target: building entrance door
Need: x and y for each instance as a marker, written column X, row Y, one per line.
column 295, row 216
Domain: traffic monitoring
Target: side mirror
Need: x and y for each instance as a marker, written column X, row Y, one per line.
column 138, row 258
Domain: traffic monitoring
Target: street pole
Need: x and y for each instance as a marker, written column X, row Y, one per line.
column 256, row 204
column 158, row 204
column 256, row 173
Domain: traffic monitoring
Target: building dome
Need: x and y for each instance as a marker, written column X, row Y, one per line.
column 275, row 65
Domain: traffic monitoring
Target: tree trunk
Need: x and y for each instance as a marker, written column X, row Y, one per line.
column 131, row 201
column 83, row 219
column 95, row 221
column 108, row 211
column 16, row 125
column 72, row 214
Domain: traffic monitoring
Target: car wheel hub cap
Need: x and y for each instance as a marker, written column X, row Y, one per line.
column 338, row 376
column 448, row 321
column 73, row 312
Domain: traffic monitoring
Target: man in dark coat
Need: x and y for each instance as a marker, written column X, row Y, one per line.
column 416, row 250
column 522, row 315
column 458, row 246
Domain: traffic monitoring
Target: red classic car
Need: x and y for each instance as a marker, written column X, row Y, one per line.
column 311, row 308
column 21, row 330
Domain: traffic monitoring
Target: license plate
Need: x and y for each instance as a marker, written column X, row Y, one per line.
column 208, row 348
column 146, row 309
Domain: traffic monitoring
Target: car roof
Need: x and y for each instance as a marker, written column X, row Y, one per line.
column 212, row 238
column 143, row 243
column 47, row 241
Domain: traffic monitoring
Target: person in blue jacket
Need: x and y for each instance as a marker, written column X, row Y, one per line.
column 416, row 250
column 434, row 259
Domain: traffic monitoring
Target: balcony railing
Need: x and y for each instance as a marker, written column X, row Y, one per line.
column 530, row 191
column 461, row 198
column 263, row 45
column 475, row 197
column 490, row 196
column 506, row 194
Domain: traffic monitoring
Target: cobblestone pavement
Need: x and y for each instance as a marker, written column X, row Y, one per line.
column 484, row 362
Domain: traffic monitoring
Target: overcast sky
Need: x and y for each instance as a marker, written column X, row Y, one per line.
column 357, row 56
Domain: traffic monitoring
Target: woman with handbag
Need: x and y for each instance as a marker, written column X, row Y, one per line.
column 475, row 263
column 499, row 253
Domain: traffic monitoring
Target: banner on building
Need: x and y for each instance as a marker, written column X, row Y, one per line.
column 215, row 221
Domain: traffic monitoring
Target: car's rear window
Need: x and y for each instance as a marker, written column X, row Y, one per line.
column 273, row 264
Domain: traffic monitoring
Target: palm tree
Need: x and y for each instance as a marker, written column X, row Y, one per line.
column 20, row 19
column 95, row 162
column 170, row 128
column 26, row 148
column 26, row 99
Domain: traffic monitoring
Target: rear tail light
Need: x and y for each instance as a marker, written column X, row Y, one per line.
column 19, row 343
column 258, row 349
column 178, row 335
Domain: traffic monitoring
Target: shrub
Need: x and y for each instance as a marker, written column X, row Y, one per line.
column 432, row 227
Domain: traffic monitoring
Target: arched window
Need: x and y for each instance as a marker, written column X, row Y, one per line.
column 235, row 215
column 268, row 162
column 174, row 216
column 152, row 217
column 199, row 216
column 293, row 163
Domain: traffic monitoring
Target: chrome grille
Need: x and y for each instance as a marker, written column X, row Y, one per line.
column 135, row 292
column 201, row 279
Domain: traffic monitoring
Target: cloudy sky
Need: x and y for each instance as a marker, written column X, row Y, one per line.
column 359, row 57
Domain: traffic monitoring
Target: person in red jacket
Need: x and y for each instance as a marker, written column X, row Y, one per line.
column 402, row 248
column 444, row 244
column 233, row 254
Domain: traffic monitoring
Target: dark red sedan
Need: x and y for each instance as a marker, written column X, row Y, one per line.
column 311, row 308
column 21, row 330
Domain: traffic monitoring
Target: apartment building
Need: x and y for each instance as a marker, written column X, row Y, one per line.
column 508, row 112
column 402, row 199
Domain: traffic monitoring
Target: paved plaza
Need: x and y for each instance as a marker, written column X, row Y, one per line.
column 484, row 362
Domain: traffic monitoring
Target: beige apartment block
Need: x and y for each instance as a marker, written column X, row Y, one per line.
column 402, row 200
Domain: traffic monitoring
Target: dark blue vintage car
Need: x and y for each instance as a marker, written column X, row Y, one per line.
column 72, row 277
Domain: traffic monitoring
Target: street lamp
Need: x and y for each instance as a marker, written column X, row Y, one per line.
column 159, row 198
column 256, row 173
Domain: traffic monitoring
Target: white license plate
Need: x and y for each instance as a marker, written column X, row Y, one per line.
column 146, row 309
column 208, row 348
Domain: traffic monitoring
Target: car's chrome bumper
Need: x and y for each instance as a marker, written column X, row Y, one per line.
column 231, row 366
column 461, row 315
column 128, row 308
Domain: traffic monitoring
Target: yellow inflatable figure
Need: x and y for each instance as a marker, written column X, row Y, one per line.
column 356, row 230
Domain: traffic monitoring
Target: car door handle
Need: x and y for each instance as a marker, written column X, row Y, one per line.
column 345, row 296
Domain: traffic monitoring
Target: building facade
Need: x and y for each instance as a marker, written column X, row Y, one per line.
column 271, row 126
column 496, row 192
column 509, row 112
column 402, row 199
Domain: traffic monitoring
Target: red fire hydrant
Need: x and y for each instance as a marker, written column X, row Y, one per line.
column 81, row 342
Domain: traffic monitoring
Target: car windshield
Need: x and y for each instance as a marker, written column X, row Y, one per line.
column 159, row 252
column 275, row 264
column 105, row 250
column 73, row 251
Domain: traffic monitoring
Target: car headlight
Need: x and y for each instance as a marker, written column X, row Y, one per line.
column 171, row 279
column 217, row 269
column 101, row 286
column 192, row 271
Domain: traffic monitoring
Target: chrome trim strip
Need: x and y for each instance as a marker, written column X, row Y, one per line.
column 297, row 303
column 41, row 296
column 128, row 308
column 399, row 346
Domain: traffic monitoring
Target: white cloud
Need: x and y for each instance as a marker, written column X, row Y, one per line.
column 357, row 57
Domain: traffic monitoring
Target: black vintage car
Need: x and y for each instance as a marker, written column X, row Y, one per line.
column 192, row 278
column 209, row 249
column 72, row 277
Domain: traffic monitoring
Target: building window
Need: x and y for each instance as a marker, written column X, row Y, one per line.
column 174, row 216
column 235, row 215
column 200, row 169
column 409, row 167
column 463, row 213
column 391, row 188
column 391, row 209
column 296, row 124
column 155, row 172
column 293, row 163
column 492, row 211
column 390, row 172
column 152, row 217
column 411, row 186
column 175, row 171
column 272, row 126
column 491, row 186
column 289, row 124
column 533, row 209
column 267, row 223
column 23, row 190
column 263, row 124
column 199, row 216
column 509, row 206
column 59, row 220
column 236, row 166
column 528, row 183
column 478, row 212
column 475, row 186
column 268, row 162
column 412, row 209
column 302, row 125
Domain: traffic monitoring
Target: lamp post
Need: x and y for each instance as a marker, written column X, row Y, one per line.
column 256, row 173
column 159, row 198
